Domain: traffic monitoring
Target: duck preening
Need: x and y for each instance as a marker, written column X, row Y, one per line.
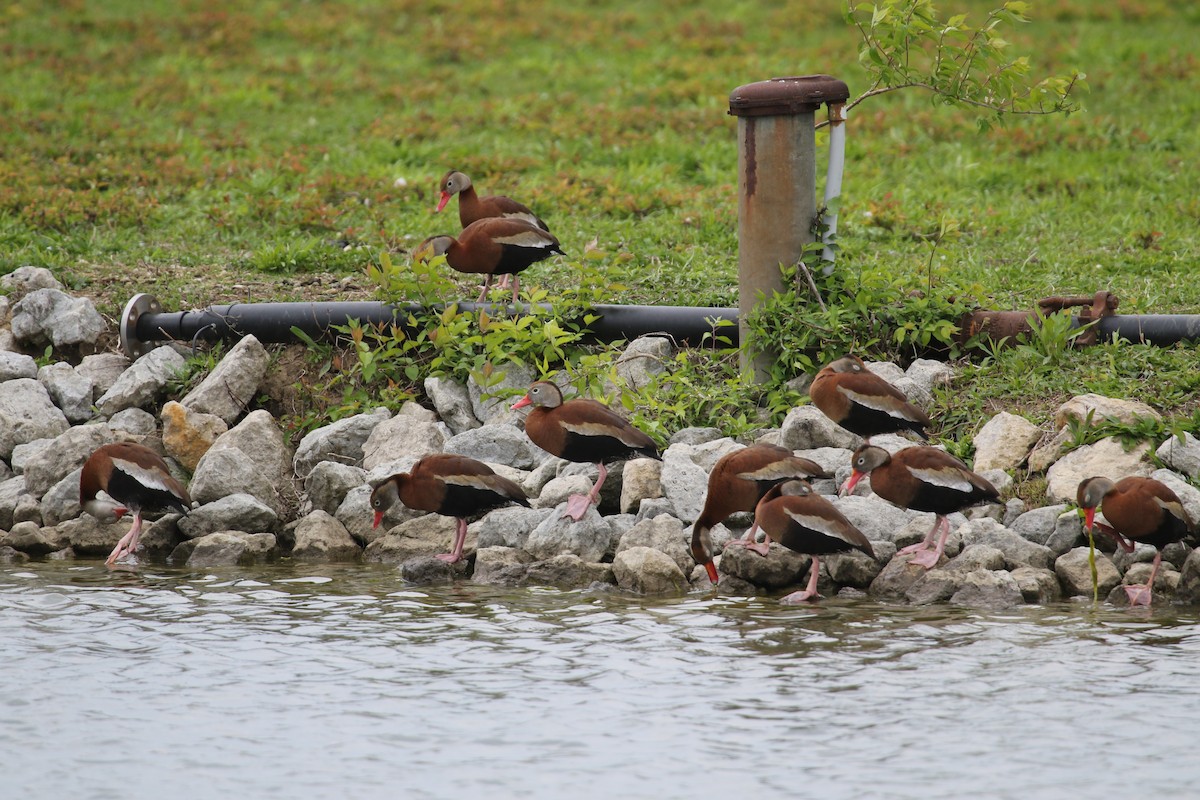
column 1136, row 510
column 798, row 518
column 581, row 430
column 491, row 247
column 921, row 479
column 456, row 486
column 127, row 478
column 737, row 482
column 862, row 402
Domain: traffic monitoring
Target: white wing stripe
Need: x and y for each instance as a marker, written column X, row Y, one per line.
column 876, row 403
column 150, row 478
column 949, row 479
column 819, row 524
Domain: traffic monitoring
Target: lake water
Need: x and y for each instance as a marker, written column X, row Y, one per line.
column 342, row 682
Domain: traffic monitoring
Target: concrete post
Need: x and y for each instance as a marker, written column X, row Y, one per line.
column 776, row 186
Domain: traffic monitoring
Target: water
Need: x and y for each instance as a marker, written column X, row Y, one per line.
column 342, row 682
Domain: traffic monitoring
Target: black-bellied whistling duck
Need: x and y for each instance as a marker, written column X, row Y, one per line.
column 492, row 247
column 921, row 479
column 123, row 478
column 737, row 482
column 456, row 486
column 581, row 430
column 1137, row 510
column 793, row 515
column 862, row 402
column 472, row 207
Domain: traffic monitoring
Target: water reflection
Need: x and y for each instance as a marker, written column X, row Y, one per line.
column 343, row 682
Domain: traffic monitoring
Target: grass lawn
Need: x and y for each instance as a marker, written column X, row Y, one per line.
column 166, row 146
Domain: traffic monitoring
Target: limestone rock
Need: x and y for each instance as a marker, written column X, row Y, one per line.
column 11, row 491
column 1075, row 575
column 665, row 534
column 640, row 480
column 497, row 444
column 187, row 434
column 694, row 436
column 66, row 453
column 69, row 390
column 423, row 536
column 649, row 571
column 779, row 569
column 226, row 392
column 91, row 538
column 858, row 569
column 590, row 538
column 984, row 588
column 103, row 370
column 879, row 520
column 683, row 483
column 18, row 365
column 135, row 421
column 1189, row 579
column 929, row 374
column 806, row 428
column 143, row 383
column 329, row 483
column 27, row 413
column 1181, row 456
column 491, row 405
column 558, row 490
column 356, row 514
column 236, row 512
column 24, row 280
column 1038, row 586
column 453, row 403
column 935, row 586
column 403, row 435
column 1107, row 457
column 320, row 537
column 250, row 458
column 644, row 359
column 1049, row 450
column 569, row 571
column 509, row 527
column 61, row 501
column 341, row 441
column 51, row 316
column 34, row 540
column 224, row 549
column 1102, row 408
column 500, row 566
column 427, row 570
column 895, row 579
column 1016, row 550
column 1004, row 442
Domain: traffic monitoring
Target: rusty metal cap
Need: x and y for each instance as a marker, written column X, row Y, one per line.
column 781, row 97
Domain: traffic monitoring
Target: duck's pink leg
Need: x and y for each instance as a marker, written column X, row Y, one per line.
column 128, row 543
column 1140, row 593
column 578, row 504
column 810, row 591
column 460, row 539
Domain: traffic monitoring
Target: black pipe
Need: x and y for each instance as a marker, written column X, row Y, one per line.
column 273, row 322
column 1158, row 329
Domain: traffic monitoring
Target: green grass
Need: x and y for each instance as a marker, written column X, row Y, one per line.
column 268, row 136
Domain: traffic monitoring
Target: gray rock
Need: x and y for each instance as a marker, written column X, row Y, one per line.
column 1014, row 507
column 404, row 436
column 28, row 510
column 23, row 280
column 1018, row 551
column 427, row 570
column 976, row 556
column 1099, row 407
column 356, row 514
column 984, row 588
column 91, row 538
column 706, row 454
column 1107, row 457
column 1068, row 533
column 590, row 538
column 423, row 536
column 10, row 556
column 780, row 568
column 320, row 537
column 643, row 360
column 1181, row 456
column 1188, row 495
column 653, row 507
column 224, row 549
column 236, row 512
column 649, row 571
column 641, row 479
column 491, row 405
column 1189, row 579
column 27, row 413
column 895, row 579
column 499, row 444
column 452, row 402
column 226, row 392
column 694, row 436
column 929, row 374
column 683, row 483
column 51, row 316
column 557, row 491
column 858, row 569
column 1037, row 524
column 1075, row 575
column 806, row 428
column 34, row 540
column 66, row 453
column 143, row 383
column 935, row 586
column 61, row 501
column 568, row 571
column 508, row 527
column 879, row 520
column 341, row 441
column 329, row 483
column 10, row 494
column 18, row 365
column 69, row 390
column 1166, row 582
column 1004, row 442
column 663, row 533
column 22, row 453
column 1039, row 586
column 103, row 370
column 1049, row 450
column 134, row 420
column 250, row 458
column 830, row 459
column 500, row 566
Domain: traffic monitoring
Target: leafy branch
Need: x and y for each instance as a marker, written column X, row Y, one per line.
column 906, row 46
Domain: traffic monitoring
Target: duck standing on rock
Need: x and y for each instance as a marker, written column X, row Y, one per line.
column 737, row 482
column 1137, row 510
column 584, row 431
column 921, row 479
column 456, row 486
column 492, row 247
column 123, row 478
column 862, row 402
column 798, row 518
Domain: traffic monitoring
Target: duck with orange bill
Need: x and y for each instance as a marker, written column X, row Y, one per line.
column 581, row 430
column 492, row 247
column 456, row 486
column 862, row 402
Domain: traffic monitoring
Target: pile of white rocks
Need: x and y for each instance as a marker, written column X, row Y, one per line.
column 259, row 499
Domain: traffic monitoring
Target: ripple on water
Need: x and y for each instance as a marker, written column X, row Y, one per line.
column 275, row 679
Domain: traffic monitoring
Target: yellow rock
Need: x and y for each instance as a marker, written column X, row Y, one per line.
column 188, row 434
